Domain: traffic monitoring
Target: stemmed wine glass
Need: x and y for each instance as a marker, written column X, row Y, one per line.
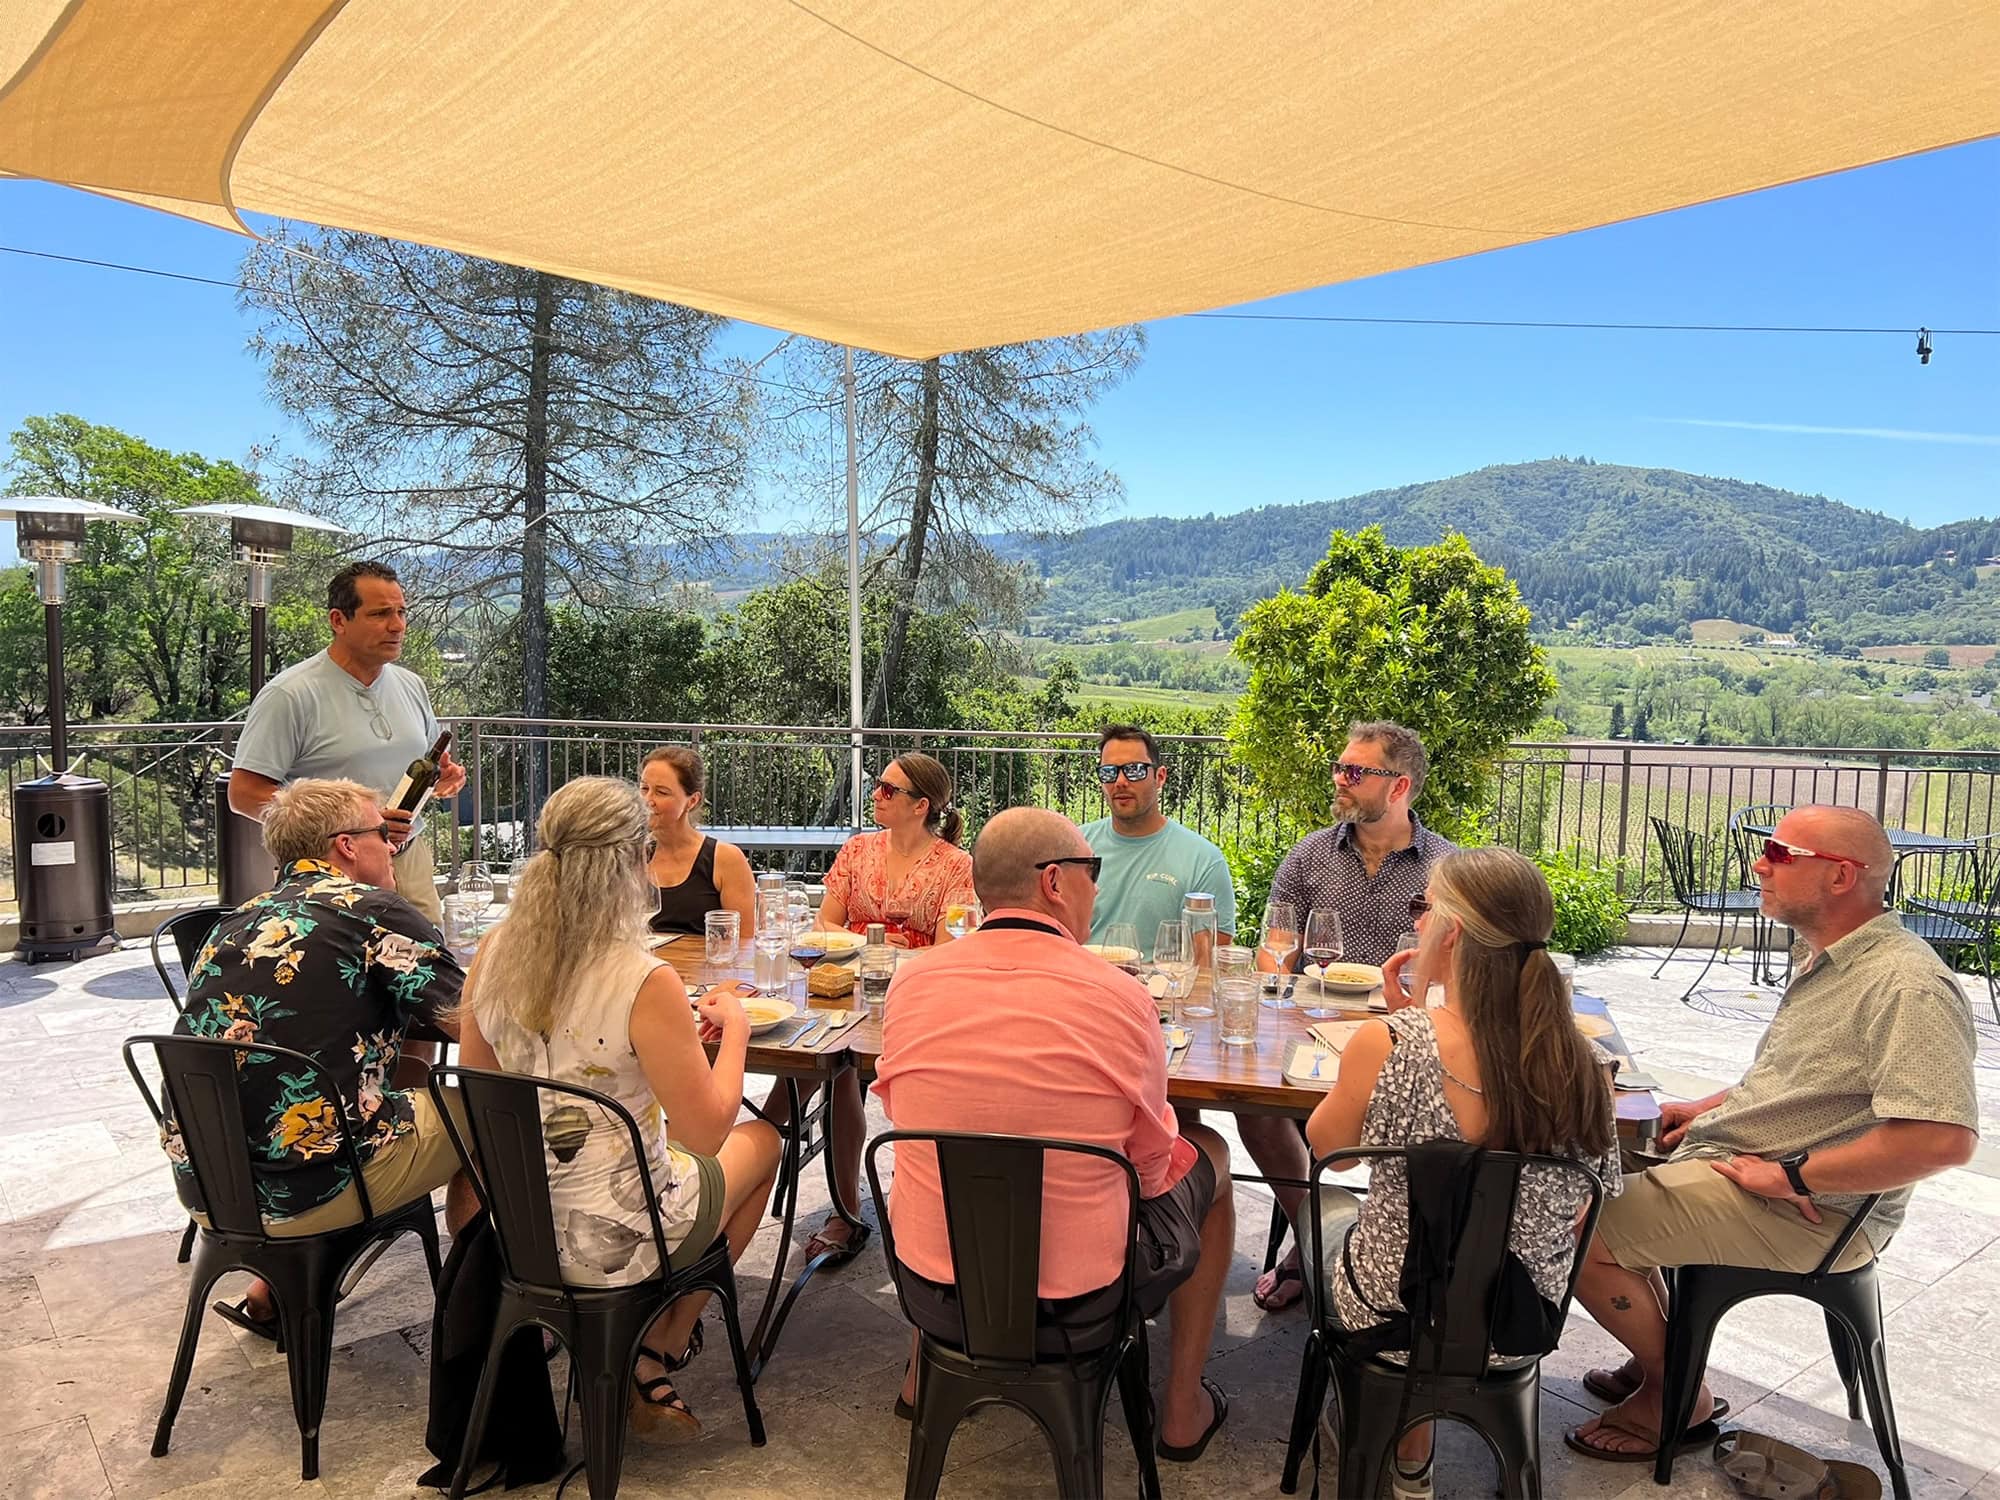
column 808, row 948
column 1323, row 947
column 1280, row 946
column 1173, row 957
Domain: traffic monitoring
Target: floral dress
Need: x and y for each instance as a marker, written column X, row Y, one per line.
column 941, row 878
column 335, row 969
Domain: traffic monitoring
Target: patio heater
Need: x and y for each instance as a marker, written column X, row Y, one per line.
column 62, row 823
column 262, row 536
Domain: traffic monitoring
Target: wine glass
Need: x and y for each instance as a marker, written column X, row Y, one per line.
column 808, row 948
column 1121, row 945
column 1173, row 958
column 962, row 917
column 1409, row 941
column 1280, row 946
column 896, row 918
column 1322, row 947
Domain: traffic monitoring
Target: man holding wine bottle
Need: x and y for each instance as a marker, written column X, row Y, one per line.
column 352, row 713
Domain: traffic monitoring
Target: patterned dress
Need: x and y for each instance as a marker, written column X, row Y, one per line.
column 942, row 877
column 335, row 969
column 1409, row 1107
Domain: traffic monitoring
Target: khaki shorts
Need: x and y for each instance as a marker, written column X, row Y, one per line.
column 1687, row 1213
column 416, row 878
column 411, row 1166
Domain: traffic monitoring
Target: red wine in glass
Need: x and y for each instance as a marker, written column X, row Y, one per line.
column 1323, row 945
column 806, row 952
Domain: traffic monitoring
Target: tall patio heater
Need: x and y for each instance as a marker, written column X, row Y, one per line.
column 62, row 823
column 262, row 535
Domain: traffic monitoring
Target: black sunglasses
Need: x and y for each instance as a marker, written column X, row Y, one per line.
column 355, row 833
column 1132, row 770
column 1093, row 862
column 1419, row 906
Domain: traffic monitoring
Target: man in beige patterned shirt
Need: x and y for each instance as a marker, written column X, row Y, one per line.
column 1862, row 1084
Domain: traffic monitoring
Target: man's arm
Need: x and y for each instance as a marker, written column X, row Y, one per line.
column 250, row 793
column 1894, row 1154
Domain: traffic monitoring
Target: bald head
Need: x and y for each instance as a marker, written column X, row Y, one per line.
column 1848, row 832
column 1009, row 848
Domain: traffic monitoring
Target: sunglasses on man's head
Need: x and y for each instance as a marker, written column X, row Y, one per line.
column 1094, row 863
column 1783, row 854
column 1132, row 770
column 1352, row 774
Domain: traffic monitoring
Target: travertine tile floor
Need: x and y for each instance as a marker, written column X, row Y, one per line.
column 90, row 1305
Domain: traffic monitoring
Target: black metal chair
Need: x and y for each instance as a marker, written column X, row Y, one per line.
column 199, row 1076
column 1723, row 902
column 187, row 931
column 992, row 1188
column 1746, row 841
column 1449, row 1372
column 600, row 1326
column 1852, row 1302
column 1948, row 898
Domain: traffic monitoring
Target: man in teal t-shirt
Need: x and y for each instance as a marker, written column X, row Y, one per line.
column 1150, row 861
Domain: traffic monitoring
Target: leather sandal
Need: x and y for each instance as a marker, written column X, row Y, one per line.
column 239, row 1313
column 1192, row 1451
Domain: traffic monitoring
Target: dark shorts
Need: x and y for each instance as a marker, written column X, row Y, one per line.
column 1168, row 1248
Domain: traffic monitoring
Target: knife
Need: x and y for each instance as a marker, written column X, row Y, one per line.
column 812, row 1026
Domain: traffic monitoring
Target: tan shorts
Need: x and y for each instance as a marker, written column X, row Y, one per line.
column 416, row 878
column 1687, row 1213
column 411, row 1166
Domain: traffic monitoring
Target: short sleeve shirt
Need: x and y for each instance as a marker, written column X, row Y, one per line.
column 1145, row 879
column 860, row 878
column 1326, row 871
column 335, row 969
column 1875, row 1029
column 315, row 719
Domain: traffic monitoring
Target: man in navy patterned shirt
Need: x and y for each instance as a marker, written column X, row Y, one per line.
column 334, row 964
column 1367, row 867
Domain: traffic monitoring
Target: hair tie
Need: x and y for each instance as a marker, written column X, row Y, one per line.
column 1532, row 944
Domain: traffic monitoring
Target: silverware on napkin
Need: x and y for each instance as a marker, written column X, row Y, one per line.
column 813, row 1024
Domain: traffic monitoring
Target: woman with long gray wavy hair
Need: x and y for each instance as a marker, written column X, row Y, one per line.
column 566, row 989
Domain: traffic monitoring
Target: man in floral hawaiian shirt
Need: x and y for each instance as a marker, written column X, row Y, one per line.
column 334, row 964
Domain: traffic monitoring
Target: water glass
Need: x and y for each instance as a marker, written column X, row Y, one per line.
column 1409, row 941
column 1236, row 996
column 723, row 930
column 770, row 959
column 1173, row 959
column 962, row 917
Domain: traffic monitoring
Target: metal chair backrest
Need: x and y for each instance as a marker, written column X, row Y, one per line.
column 188, row 931
column 1747, row 843
column 1965, row 878
column 507, row 1159
column 992, row 1186
column 1677, row 853
column 201, row 1077
column 1467, row 1327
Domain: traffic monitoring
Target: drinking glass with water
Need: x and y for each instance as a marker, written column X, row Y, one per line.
column 722, row 930
column 1236, row 996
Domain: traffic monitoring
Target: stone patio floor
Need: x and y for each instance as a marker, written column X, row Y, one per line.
column 91, row 1300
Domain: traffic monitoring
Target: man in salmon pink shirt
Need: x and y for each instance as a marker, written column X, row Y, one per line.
column 1017, row 1030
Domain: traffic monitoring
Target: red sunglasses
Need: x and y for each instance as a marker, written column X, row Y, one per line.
column 1784, row 854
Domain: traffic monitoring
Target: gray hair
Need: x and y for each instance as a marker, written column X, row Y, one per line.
column 1400, row 748
column 304, row 815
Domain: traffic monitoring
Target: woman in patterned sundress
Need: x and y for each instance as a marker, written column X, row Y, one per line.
column 566, row 989
column 1499, row 1064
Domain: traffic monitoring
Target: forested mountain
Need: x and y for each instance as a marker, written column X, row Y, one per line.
column 1599, row 548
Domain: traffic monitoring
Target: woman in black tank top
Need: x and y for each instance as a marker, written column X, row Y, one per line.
column 694, row 873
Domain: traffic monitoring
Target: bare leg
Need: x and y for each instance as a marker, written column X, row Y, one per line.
column 1188, row 1408
column 1631, row 1307
column 1274, row 1143
column 749, row 1158
column 1627, row 1377
column 849, row 1125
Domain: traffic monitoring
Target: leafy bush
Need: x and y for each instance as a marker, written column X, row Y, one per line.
column 1590, row 914
column 1254, row 858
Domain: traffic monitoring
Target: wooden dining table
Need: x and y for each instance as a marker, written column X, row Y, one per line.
column 1207, row 1074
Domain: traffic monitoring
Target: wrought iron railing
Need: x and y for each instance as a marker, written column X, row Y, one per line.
column 1589, row 802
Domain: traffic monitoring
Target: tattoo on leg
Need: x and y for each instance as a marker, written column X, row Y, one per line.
column 1623, row 1304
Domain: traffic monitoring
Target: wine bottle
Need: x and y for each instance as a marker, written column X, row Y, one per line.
column 414, row 790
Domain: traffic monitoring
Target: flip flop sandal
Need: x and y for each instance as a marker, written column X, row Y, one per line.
column 239, row 1313
column 1765, row 1469
column 1698, row 1436
column 1277, row 1299
column 837, row 1252
column 904, row 1409
column 1617, row 1391
column 1194, row 1450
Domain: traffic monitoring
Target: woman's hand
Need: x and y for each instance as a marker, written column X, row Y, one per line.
column 721, row 1011
column 1392, row 980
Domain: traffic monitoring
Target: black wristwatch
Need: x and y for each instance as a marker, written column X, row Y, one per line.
column 1794, row 1166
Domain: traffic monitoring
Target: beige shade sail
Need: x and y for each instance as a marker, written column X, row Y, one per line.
column 919, row 176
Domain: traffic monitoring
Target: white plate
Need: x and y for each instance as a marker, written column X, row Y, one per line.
column 1113, row 954
column 1350, row 979
column 766, row 1011
column 840, row 943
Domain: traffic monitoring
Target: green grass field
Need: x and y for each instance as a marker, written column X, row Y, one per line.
column 1157, row 697
column 1158, row 628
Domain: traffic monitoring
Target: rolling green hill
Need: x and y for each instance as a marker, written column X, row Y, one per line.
column 1601, row 549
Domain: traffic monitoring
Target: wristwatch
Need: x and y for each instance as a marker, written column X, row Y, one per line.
column 1794, row 1166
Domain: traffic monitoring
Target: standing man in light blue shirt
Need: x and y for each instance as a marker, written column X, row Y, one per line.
column 350, row 713
column 1150, row 861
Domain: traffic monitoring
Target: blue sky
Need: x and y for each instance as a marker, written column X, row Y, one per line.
column 1224, row 415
